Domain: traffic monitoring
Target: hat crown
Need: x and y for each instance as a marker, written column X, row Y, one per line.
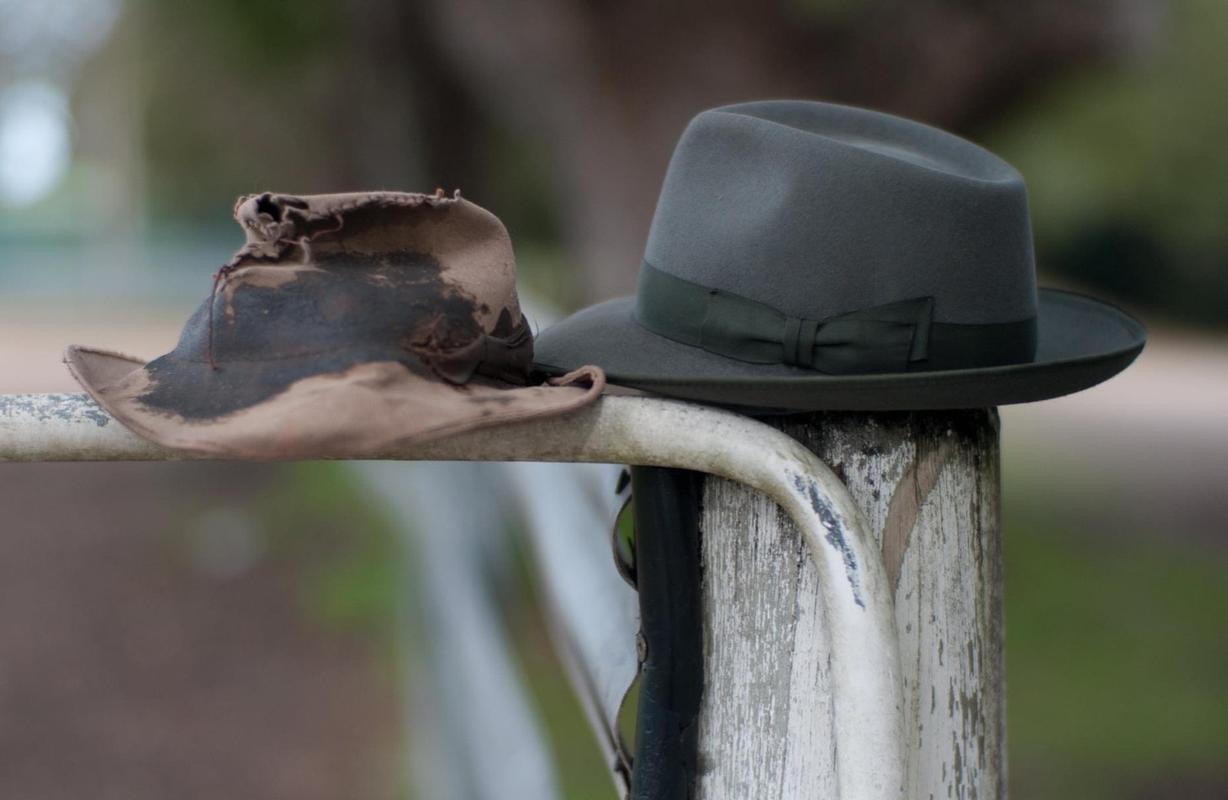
column 819, row 210
column 391, row 276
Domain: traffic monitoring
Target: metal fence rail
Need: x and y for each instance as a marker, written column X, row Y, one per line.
column 856, row 595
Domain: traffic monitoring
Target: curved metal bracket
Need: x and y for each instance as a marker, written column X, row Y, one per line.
column 642, row 431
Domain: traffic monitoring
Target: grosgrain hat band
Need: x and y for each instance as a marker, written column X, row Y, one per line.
column 895, row 337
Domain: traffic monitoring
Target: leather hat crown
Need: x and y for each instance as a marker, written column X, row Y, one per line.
column 345, row 325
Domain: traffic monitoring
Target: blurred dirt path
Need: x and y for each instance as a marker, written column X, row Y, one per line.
column 140, row 662
column 1149, row 446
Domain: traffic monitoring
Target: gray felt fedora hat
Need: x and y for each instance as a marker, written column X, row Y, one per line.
column 812, row 256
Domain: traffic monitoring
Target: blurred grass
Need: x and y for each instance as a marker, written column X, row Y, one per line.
column 582, row 772
column 581, row 769
column 348, row 559
column 348, row 551
column 349, row 583
column 1117, row 657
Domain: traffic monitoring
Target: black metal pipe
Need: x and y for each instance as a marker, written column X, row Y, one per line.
column 667, row 569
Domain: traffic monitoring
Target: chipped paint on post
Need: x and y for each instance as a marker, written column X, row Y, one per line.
column 835, row 532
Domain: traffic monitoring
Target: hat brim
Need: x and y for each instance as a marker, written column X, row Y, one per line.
column 1081, row 342
column 365, row 410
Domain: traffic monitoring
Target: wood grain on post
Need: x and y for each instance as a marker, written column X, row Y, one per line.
column 928, row 482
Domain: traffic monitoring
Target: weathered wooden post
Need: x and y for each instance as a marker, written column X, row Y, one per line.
column 928, row 483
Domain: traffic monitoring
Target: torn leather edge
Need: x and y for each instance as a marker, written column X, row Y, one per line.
column 276, row 222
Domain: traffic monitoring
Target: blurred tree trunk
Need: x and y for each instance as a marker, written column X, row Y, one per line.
column 403, row 120
column 376, row 116
column 609, row 86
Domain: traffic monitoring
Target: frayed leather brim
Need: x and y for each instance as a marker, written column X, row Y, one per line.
column 363, row 411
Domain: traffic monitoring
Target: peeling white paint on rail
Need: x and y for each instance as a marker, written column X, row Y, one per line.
column 856, row 595
column 67, row 427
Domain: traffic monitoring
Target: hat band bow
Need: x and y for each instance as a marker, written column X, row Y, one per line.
column 892, row 337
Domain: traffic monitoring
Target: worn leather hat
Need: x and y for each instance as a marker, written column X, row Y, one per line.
column 806, row 256
column 347, row 325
